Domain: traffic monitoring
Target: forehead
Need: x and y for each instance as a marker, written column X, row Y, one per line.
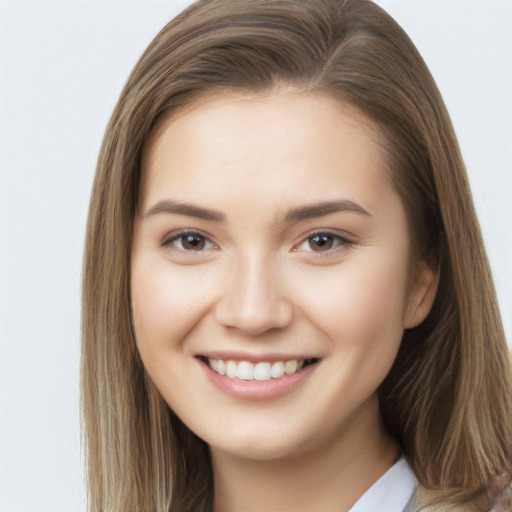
column 287, row 142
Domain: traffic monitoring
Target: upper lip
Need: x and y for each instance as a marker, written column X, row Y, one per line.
column 253, row 358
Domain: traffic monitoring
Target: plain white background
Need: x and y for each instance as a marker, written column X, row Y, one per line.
column 62, row 67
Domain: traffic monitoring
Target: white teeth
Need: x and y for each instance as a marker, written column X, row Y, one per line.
column 262, row 371
column 231, row 369
column 245, row 370
column 290, row 366
column 277, row 370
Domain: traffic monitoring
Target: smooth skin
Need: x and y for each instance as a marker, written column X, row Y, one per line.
column 257, row 264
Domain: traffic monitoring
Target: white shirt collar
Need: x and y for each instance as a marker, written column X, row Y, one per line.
column 391, row 493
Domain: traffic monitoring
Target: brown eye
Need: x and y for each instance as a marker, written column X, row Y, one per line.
column 193, row 242
column 321, row 242
column 189, row 242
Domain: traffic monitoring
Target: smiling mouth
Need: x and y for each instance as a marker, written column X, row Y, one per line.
column 262, row 371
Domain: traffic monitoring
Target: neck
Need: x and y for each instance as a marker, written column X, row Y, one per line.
column 332, row 475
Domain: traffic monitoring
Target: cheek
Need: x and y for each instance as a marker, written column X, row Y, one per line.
column 362, row 304
column 360, row 315
column 166, row 302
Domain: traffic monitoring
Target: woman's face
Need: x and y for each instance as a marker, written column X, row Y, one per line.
column 270, row 245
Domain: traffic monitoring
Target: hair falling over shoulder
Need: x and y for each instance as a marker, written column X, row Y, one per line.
column 447, row 400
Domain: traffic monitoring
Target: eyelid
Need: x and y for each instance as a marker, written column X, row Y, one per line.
column 344, row 239
column 173, row 236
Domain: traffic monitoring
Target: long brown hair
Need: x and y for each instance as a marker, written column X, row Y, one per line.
column 447, row 400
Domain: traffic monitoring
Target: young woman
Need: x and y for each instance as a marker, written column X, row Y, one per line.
column 286, row 299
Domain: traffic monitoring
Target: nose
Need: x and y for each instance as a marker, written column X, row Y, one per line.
column 253, row 300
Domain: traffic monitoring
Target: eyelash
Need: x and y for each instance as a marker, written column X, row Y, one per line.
column 175, row 237
column 337, row 240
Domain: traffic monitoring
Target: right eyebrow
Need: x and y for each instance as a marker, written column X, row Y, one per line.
column 189, row 209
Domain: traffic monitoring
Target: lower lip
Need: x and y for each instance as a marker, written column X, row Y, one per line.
column 258, row 390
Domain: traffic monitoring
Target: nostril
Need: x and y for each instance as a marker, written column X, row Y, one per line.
column 252, row 299
column 254, row 318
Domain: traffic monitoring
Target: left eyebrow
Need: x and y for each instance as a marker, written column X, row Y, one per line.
column 323, row 208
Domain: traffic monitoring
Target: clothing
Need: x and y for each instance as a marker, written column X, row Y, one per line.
column 392, row 492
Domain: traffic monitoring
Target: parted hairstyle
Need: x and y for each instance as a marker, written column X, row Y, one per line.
column 447, row 398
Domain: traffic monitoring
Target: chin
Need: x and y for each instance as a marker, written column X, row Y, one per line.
column 262, row 452
column 262, row 446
